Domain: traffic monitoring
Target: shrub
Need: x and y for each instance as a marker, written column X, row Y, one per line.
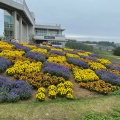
column 14, row 91
column 117, row 51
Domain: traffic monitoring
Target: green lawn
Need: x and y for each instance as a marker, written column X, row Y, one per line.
column 80, row 109
column 107, row 55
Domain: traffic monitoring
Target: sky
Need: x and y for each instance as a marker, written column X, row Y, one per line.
column 93, row 20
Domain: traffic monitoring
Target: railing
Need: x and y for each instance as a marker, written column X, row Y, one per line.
column 50, row 35
column 47, row 24
column 18, row 1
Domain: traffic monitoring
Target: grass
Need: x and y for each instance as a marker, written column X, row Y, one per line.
column 97, row 108
column 78, row 109
column 107, row 55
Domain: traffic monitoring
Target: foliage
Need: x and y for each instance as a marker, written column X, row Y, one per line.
column 78, row 62
column 36, row 56
column 117, row 51
column 57, row 52
column 14, row 91
column 108, row 76
column 78, row 45
column 4, row 64
column 56, row 69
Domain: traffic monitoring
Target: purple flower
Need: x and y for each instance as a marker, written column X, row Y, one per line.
column 89, row 58
column 57, row 52
column 108, row 76
column 4, row 64
column 77, row 62
column 12, row 91
column 56, row 69
column 113, row 67
column 36, row 56
column 19, row 46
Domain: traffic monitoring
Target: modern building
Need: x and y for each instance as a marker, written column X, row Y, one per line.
column 49, row 34
column 19, row 24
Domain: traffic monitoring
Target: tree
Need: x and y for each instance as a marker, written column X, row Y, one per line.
column 31, row 36
column 78, row 45
column 117, row 51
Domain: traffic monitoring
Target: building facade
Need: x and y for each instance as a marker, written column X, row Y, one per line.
column 17, row 28
column 49, row 34
column 8, row 26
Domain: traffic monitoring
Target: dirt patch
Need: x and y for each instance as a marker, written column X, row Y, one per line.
column 81, row 92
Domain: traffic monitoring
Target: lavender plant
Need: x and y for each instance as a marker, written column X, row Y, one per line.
column 4, row 64
column 13, row 91
column 108, row 76
column 56, row 69
column 19, row 46
column 77, row 62
column 36, row 56
column 57, row 52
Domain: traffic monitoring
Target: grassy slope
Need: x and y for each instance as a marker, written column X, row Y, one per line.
column 58, row 110
column 64, row 109
column 107, row 55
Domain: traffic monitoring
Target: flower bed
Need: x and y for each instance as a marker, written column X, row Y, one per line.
column 10, row 53
column 72, row 55
column 57, row 70
column 103, row 61
column 99, row 86
column 38, row 79
column 57, row 52
column 28, row 45
column 25, row 66
column 13, row 91
column 84, row 75
column 39, row 50
column 77, row 62
column 108, row 76
column 89, row 58
column 83, row 53
column 96, row 66
column 95, row 55
column 36, row 56
column 113, row 67
column 5, row 46
column 4, row 64
column 57, row 59
column 61, row 90
column 21, row 47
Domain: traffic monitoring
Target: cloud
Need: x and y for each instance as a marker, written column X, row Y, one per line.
column 93, row 38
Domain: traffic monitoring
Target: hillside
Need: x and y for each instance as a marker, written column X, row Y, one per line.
column 54, row 73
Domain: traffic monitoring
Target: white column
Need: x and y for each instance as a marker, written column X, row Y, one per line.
column 15, row 24
column 20, row 29
column 27, row 37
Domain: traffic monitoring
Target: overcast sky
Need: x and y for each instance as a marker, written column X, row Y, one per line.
column 82, row 19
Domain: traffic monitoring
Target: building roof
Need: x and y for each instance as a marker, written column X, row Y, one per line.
column 54, row 27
